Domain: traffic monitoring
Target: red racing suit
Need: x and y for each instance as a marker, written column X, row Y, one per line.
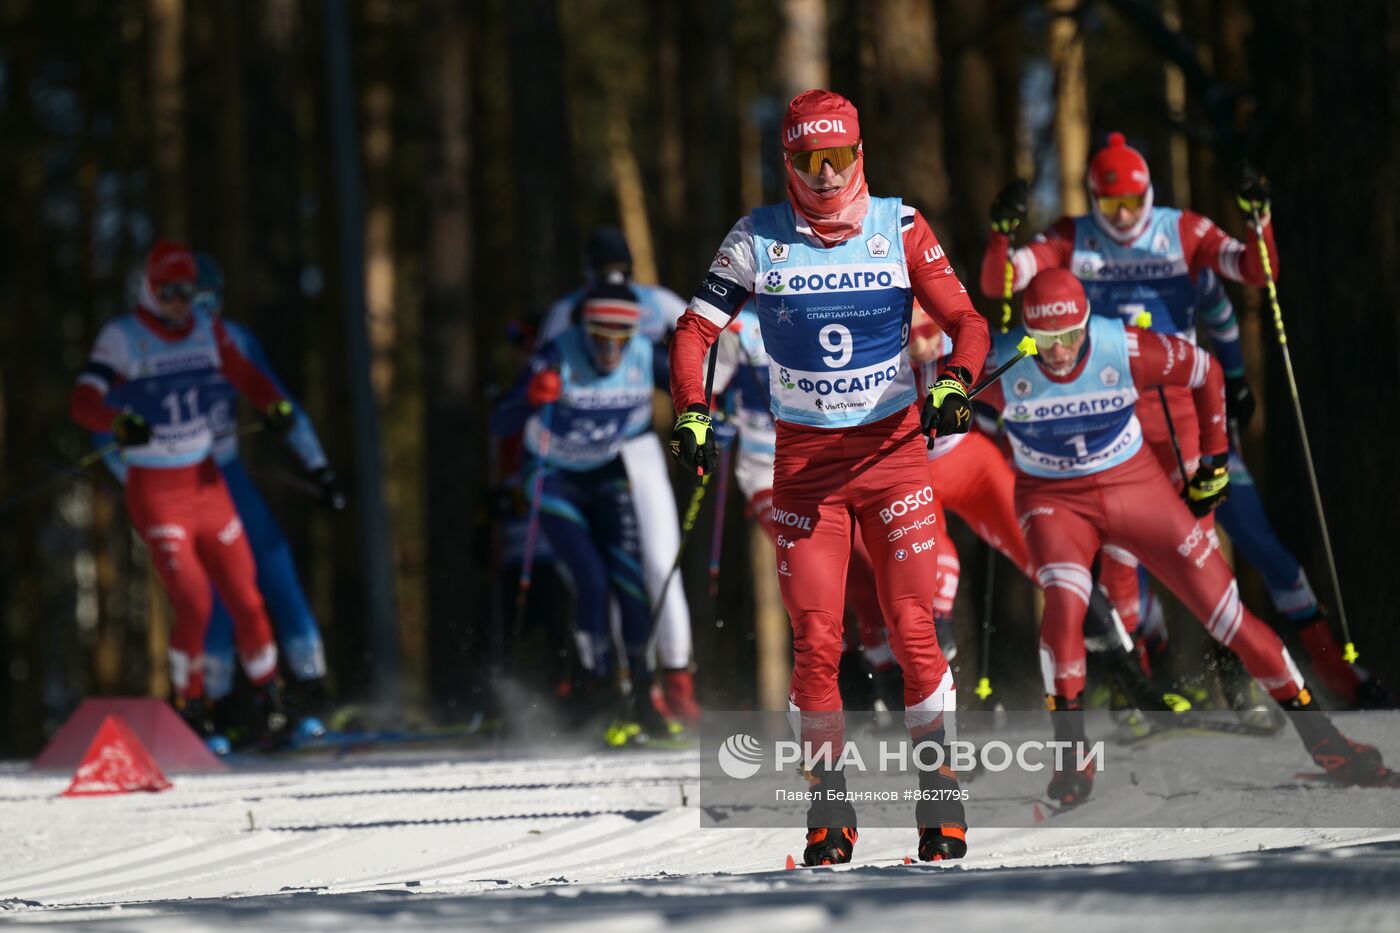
column 1131, row 504
column 854, row 460
column 175, row 493
column 1153, row 267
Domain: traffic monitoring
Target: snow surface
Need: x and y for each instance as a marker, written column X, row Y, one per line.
column 441, row 839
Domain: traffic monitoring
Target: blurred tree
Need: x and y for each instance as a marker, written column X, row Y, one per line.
column 802, row 58
column 901, row 106
column 1328, row 134
column 542, row 154
column 451, row 349
column 1066, row 49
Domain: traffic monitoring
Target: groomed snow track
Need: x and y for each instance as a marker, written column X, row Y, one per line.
column 612, row 842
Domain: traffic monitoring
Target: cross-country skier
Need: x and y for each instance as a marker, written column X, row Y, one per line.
column 833, row 273
column 582, row 397
column 1084, row 479
column 145, row 382
column 609, row 258
column 1136, row 258
column 299, row 636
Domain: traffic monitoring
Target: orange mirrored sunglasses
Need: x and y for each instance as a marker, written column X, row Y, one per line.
column 1109, row 204
column 811, row 161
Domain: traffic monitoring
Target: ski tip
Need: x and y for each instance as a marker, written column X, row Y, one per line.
column 791, row 863
column 1037, row 813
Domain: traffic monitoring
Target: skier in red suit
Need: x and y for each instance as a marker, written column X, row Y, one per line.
column 832, row 272
column 1084, row 480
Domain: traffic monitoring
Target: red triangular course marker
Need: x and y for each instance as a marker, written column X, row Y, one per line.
column 791, row 863
column 116, row 763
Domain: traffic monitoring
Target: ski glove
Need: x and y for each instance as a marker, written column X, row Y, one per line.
column 693, row 441
column 131, row 430
column 332, row 492
column 1254, row 190
column 1239, row 401
column 545, row 386
column 280, row 416
column 947, row 409
column 1210, row 486
column 1009, row 208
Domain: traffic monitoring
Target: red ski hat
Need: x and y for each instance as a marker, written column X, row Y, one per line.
column 820, row 120
column 1054, row 303
column 1118, row 169
column 170, row 262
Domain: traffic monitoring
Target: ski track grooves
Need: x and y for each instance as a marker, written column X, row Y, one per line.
column 585, row 829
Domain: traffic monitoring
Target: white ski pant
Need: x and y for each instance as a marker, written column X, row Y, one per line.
column 660, row 529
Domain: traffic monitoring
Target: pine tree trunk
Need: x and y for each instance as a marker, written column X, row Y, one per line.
column 902, row 117
column 802, row 57
column 1329, row 105
column 455, row 468
column 1071, row 105
column 545, row 193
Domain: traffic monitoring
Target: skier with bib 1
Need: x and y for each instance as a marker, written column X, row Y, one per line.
column 1084, row 479
column 1137, row 258
column 833, row 272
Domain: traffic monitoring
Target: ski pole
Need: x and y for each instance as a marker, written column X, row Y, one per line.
column 88, row 460
column 532, row 525
column 57, row 476
column 1025, row 348
column 717, row 538
column 692, row 513
column 984, row 664
column 1348, row 648
column 1176, row 444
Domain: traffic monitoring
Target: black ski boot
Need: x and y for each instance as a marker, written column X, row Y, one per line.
column 638, row 721
column 831, row 824
column 941, row 818
column 202, row 716
column 1072, row 784
column 1345, row 760
column 307, row 707
column 272, row 728
column 1252, row 706
column 1372, row 694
